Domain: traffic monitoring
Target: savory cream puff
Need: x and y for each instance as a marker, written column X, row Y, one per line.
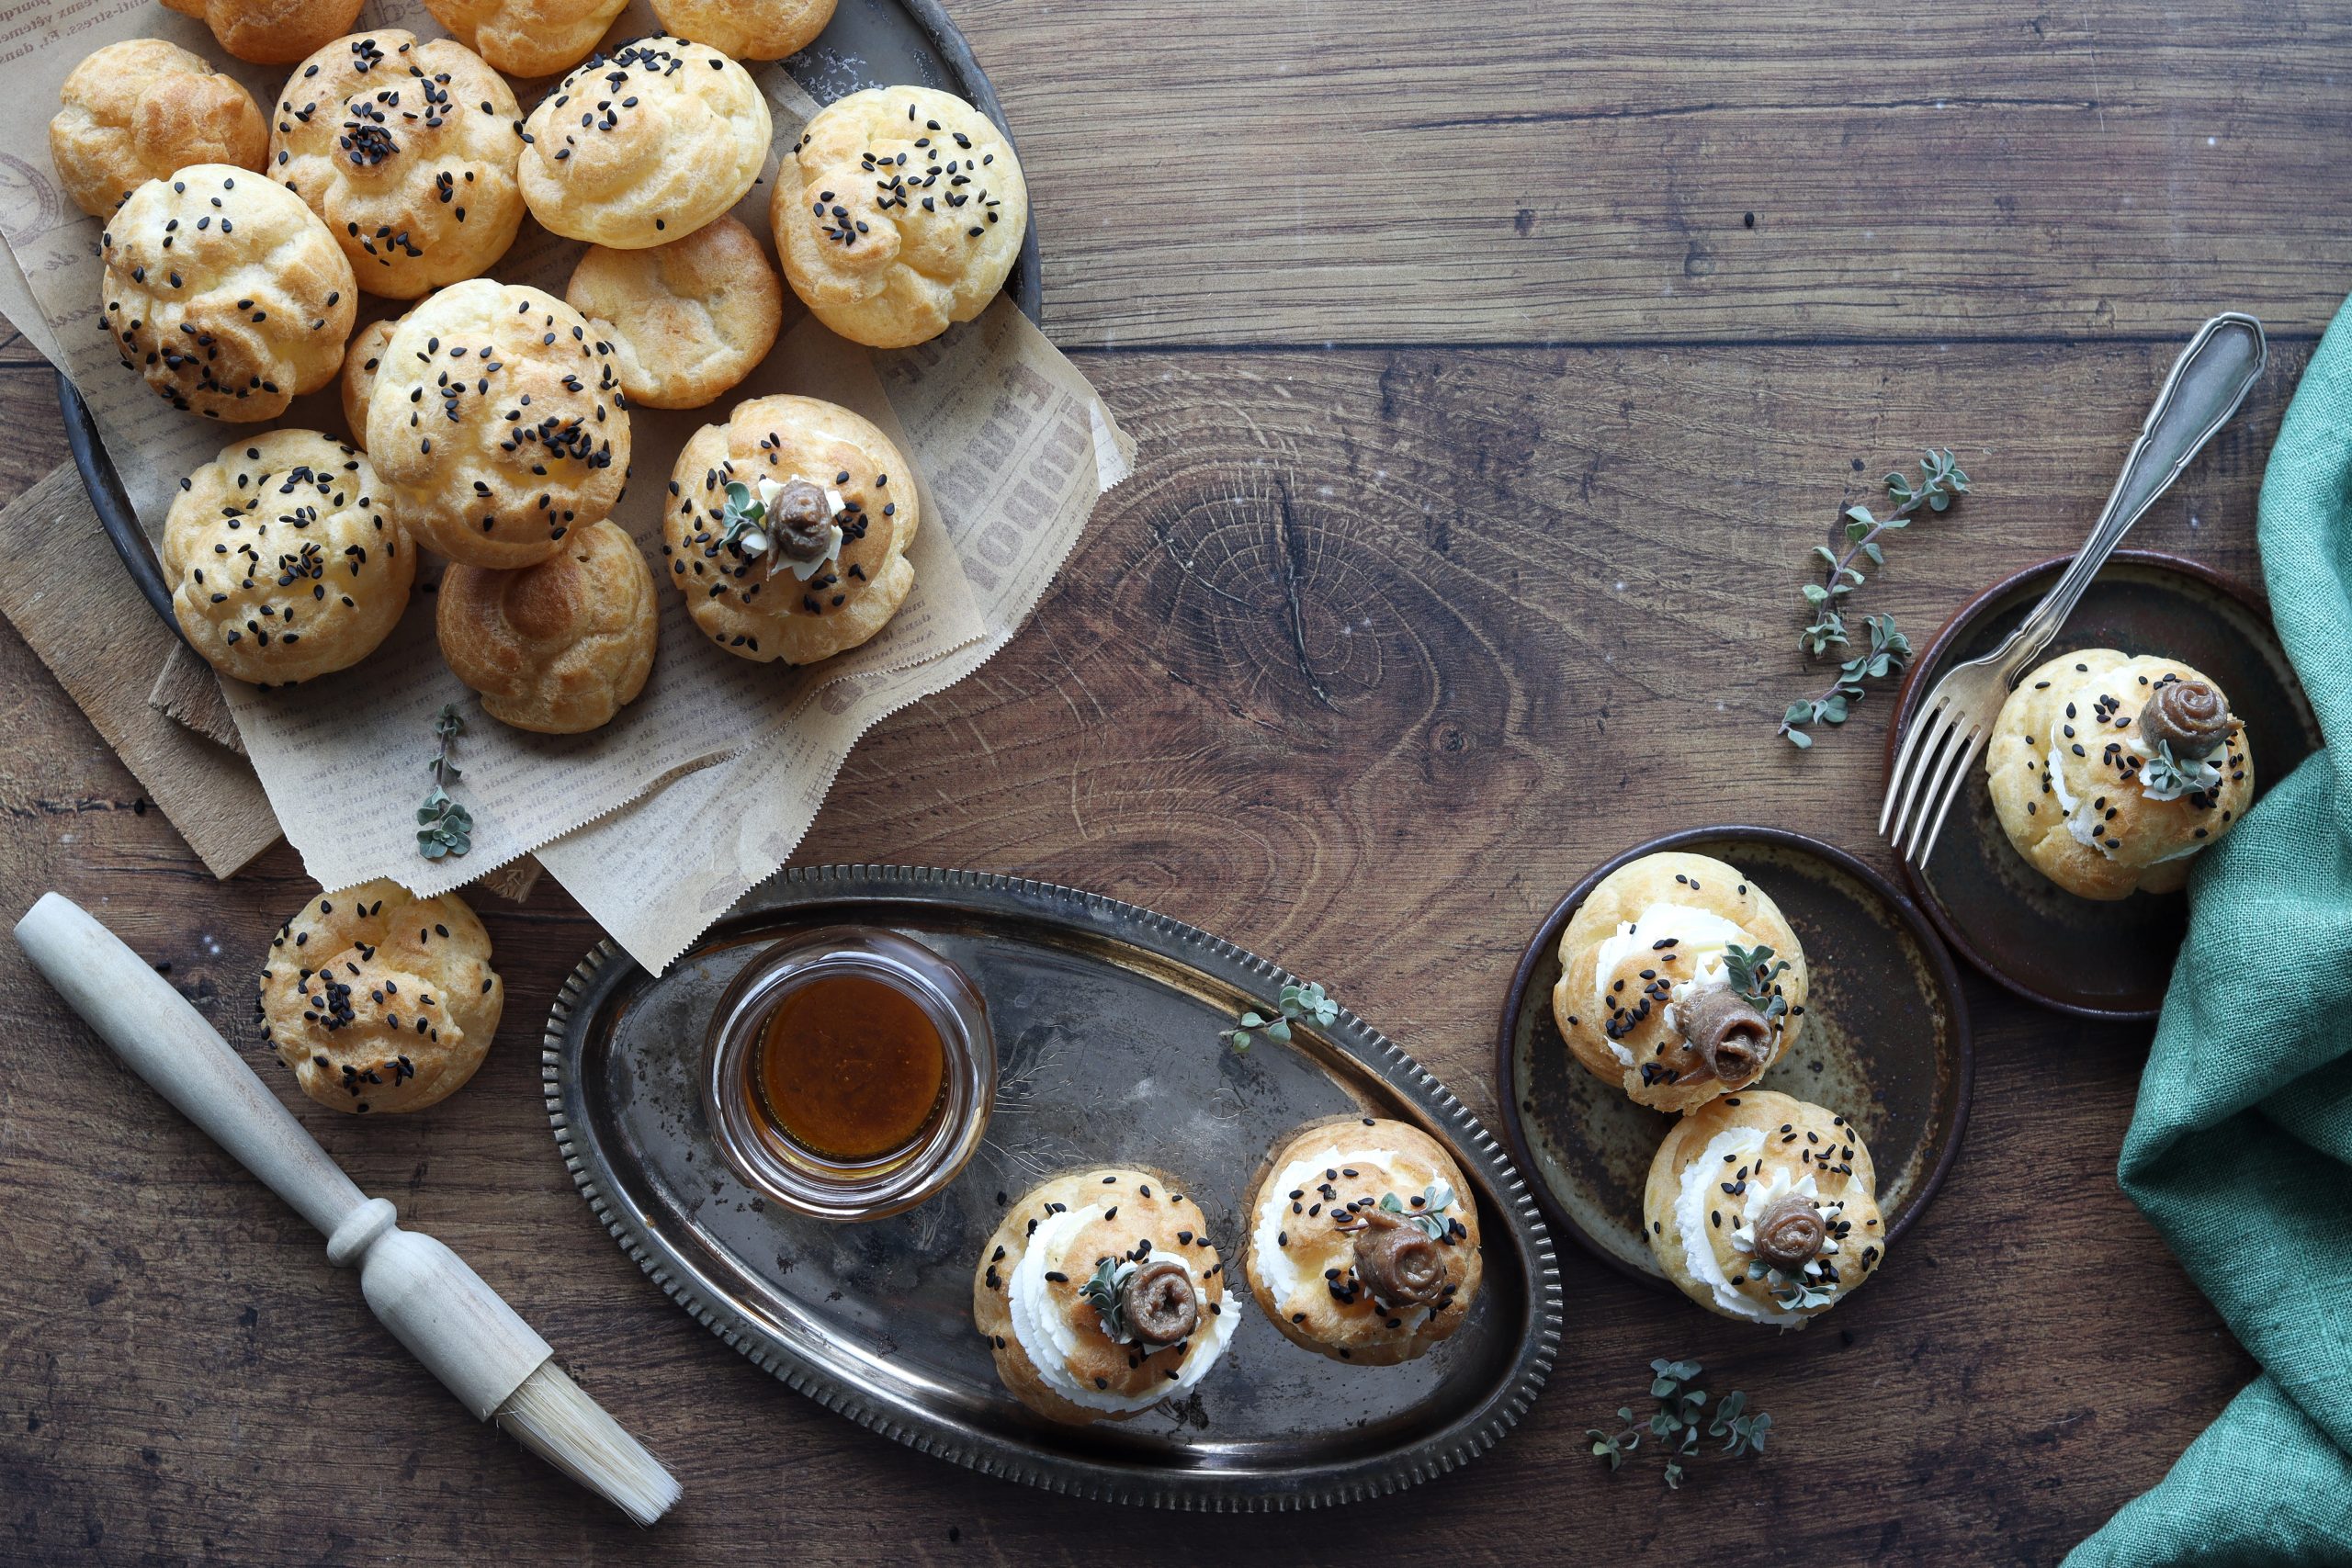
column 644, row 145
column 379, row 1000
column 1679, row 979
column 406, row 150
column 1101, row 1295
column 900, row 212
column 527, row 38
column 283, row 562
column 144, row 109
column 687, row 320
column 496, row 423
column 225, row 293
column 2109, row 771
column 558, row 647
column 786, row 529
column 272, row 32
column 1764, row 1208
column 1363, row 1241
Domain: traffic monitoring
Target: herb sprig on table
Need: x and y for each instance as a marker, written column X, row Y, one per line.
column 444, row 827
column 1942, row 481
column 1675, row 1423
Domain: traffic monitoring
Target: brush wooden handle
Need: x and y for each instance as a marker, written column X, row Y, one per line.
column 166, row 1040
column 425, row 1294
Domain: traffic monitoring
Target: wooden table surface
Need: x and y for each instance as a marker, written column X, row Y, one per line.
column 1495, row 366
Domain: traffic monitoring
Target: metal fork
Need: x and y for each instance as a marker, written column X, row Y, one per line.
column 1948, row 731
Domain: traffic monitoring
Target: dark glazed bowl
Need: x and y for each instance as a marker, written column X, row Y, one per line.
column 2094, row 959
column 1885, row 1044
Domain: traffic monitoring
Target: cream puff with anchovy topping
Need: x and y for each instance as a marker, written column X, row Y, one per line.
column 1679, row 979
column 786, row 529
column 1764, row 1208
column 1101, row 1295
column 1363, row 1241
column 2109, row 772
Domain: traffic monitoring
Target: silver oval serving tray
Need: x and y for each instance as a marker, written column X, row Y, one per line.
column 1106, row 1020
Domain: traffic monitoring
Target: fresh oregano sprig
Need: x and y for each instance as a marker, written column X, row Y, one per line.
column 1752, row 971
column 1102, row 1291
column 444, row 827
column 1675, row 1423
column 1428, row 1218
column 1942, row 481
column 1297, row 1003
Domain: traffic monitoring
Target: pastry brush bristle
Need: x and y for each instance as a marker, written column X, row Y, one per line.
column 551, row 1416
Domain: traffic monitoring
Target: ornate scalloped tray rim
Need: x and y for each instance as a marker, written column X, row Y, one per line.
column 1176, row 1490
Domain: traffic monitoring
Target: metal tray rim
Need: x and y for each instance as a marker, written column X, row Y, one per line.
column 1355, row 1481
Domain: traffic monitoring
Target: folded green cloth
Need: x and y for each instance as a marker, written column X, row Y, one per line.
column 2240, row 1150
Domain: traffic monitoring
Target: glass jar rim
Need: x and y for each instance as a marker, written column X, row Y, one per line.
column 804, row 1180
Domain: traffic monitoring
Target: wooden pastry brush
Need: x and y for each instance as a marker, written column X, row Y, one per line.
column 423, row 1292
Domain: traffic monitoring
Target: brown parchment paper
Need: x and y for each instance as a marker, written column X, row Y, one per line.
column 708, row 780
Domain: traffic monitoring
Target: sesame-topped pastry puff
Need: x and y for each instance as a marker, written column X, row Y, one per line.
column 407, row 150
column 687, row 320
column 901, row 212
column 1679, row 979
column 1363, row 1241
column 362, row 362
column 786, row 529
column 558, row 647
column 497, row 425
column 225, row 292
column 1100, row 1296
column 2109, row 772
column 1764, row 1208
column 528, row 37
column 144, row 109
column 748, row 29
column 645, row 145
column 381, row 1000
column 282, row 561
column 272, row 32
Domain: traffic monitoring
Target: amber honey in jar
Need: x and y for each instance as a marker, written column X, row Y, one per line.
column 850, row 1067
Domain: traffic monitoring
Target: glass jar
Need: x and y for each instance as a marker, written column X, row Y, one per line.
column 753, row 1138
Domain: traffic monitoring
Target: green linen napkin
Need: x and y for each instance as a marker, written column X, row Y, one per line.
column 2240, row 1149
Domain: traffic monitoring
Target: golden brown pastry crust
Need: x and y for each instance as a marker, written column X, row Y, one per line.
column 528, row 37
column 471, row 482
column 558, row 647
column 688, row 320
column 283, row 563
column 1146, row 1209
column 731, row 597
column 272, row 32
column 225, row 293
column 143, row 109
column 361, row 364
column 1794, row 1139
column 381, row 1000
column 1697, row 882
column 644, row 146
column 892, row 258
column 2098, row 767
column 747, row 30
column 406, row 151
column 1343, row 1320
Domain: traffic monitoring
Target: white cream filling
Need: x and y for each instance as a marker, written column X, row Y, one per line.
column 1276, row 1268
column 1699, row 1180
column 2082, row 820
column 1050, row 1339
column 1701, row 936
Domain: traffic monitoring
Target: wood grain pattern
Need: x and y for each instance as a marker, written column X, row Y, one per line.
column 1387, row 642
column 1515, row 170
column 1377, row 654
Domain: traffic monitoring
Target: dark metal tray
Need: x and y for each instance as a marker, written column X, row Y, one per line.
column 1107, row 1019
column 869, row 44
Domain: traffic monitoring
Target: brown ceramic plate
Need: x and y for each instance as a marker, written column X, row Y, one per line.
column 2080, row 955
column 1885, row 1044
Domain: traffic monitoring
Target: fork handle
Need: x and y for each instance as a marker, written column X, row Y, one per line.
column 2207, row 382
